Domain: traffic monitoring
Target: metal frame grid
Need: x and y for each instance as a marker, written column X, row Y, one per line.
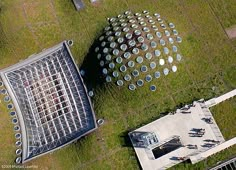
column 52, row 100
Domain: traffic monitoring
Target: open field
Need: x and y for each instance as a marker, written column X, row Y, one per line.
column 225, row 12
column 207, row 70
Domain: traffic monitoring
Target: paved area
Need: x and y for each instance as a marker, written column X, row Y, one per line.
column 184, row 123
column 217, row 100
column 218, row 148
column 231, row 32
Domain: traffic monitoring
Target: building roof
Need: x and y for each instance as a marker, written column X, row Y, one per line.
column 50, row 99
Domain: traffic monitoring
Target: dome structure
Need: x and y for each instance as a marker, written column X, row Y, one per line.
column 138, row 48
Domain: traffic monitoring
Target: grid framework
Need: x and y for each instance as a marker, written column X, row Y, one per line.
column 51, row 99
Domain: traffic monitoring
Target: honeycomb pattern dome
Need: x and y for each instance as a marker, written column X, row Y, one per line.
column 136, row 49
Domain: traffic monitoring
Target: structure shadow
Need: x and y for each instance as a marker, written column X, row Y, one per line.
column 125, row 139
column 126, row 142
column 93, row 77
column 174, row 158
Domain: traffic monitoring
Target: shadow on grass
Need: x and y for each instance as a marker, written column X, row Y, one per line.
column 182, row 104
column 125, row 140
column 93, row 77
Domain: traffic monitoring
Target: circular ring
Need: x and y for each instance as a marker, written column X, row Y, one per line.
column 132, row 87
column 144, row 68
column 120, row 83
column 140, row 82
column 153, row 88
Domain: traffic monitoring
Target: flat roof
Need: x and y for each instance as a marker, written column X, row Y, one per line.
column 184, row 123
column 50, row 99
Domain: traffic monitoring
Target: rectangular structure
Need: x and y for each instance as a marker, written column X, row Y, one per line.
column 182, row 135
column 78, row 4
column 50, row 99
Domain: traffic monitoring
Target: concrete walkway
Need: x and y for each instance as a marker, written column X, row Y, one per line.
column 185, row 123
column 181, row 123
column 215, row 101
column 216, row 130
column 196, row 158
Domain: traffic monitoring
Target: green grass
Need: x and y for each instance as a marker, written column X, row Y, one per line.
column 7, row 140
column 225, row 115
column 225, row 11
column 207, row 70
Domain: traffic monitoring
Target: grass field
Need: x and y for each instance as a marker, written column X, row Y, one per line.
column 208, row 69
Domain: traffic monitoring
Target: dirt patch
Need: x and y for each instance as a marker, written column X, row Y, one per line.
column 38, row 11
column 96, row 3
column 231, row 32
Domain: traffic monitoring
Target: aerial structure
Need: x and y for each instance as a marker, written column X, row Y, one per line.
column 78, row 4
column 136, row 49
column 192, row 134
column 48, row 102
